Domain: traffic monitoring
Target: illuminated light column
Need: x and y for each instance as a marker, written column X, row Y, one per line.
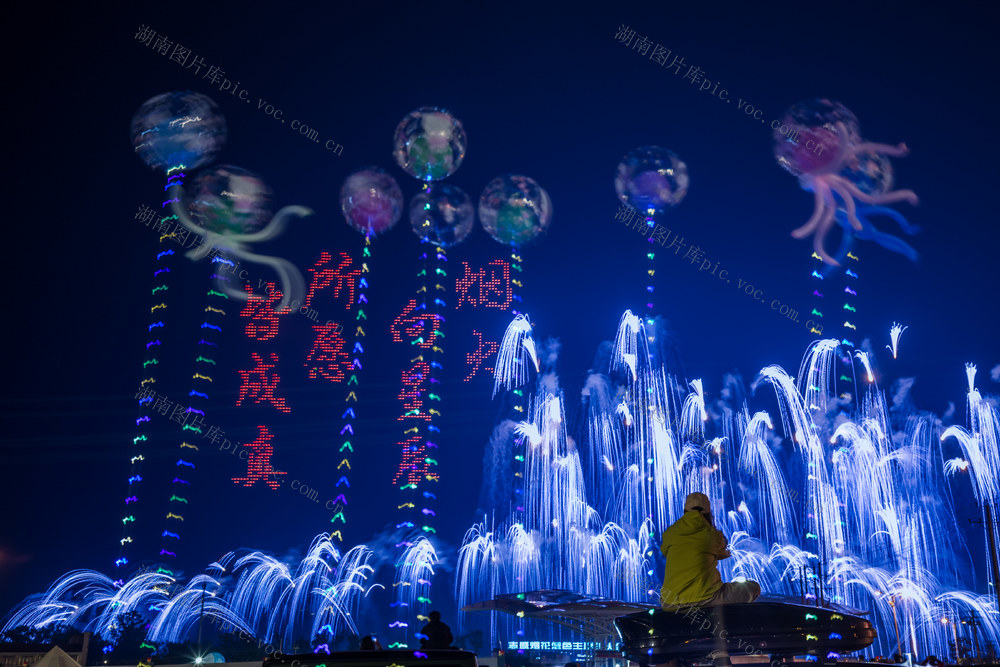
column 650, row 272
column 849, row 326
column 356, row 354
column 172, row 132
column 818, row 298
column 371, row 203
column 519, row 400
column 330, row 359
column 191, row 416
column 650, row 339
column 147, row 396
column 419, row 324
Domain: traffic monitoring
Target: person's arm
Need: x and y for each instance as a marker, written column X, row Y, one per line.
column 721, row 546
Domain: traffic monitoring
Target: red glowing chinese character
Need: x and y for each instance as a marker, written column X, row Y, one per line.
column 324, row 275
column 327, row 357
column 496, row 291
column 413, row 377
column 494, row 287
column 262, row 385
column 259, row 461
column 421, row 330
column 483, row 351
column 412, row 462
column 263, row 320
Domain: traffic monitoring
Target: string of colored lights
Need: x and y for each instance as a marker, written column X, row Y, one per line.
column 329, row 359
column 192, row 417
column 420, row 325
column 819, row 296
column 519, row 404
column 650, row 272
column 821, row 280
column 824, row 282
column 849, row 328
column 161, row 297
column 351, row 397
column 650, row 332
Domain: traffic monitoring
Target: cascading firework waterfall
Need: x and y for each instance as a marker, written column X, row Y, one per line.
column 268, row 600
column 834, row 497
column 860, row 511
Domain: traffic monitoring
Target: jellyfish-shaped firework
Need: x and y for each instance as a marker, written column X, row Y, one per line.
column 820, row 143
column 429, row 144
column 872, row 174
column 514, row 209
column 230, row 207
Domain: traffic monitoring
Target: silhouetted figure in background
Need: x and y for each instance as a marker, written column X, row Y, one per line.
column 438, row 634
column 369, row 643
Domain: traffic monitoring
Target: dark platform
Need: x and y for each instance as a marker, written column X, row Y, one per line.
column 763, row 627
column 401, row 658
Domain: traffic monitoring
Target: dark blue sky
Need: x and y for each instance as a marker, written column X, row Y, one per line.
column 542, row 89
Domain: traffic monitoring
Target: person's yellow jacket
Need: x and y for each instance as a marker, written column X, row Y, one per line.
column 692, row 547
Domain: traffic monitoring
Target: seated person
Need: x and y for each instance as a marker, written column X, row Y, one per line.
column 438, row 634
column 692, row 547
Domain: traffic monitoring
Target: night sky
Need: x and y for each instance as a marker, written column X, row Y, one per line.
column 543, row 90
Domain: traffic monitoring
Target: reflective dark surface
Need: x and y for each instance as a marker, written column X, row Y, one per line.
column 761, row 628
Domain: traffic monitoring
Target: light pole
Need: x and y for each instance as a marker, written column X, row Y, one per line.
column 895, row 624
column 954, row 628
column 992, row 544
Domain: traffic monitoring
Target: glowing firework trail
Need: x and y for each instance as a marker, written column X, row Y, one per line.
column 773, row 510
column 817, row 373
column 90, row 601
column 970, row 375
column 414, row 572
column 276, row 602
column 978, row 458
column 179, row 617
column 603, row 456
column 981, row 446
column 516, row 349
column 693, row 415
column 68, row 600
column 644, row 407
column 863, row 356
column 876, row 517
column 627, row 344
column 894, row 334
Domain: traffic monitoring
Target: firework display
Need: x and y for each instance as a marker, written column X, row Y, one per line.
column 475, row 428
